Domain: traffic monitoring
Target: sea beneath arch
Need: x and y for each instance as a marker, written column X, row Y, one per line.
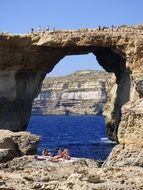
column 84, row 136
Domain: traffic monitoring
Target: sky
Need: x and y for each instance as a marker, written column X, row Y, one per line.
column 19, row 16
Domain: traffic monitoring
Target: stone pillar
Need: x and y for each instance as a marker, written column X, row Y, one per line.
column 17, row 92
column 120, row 96
column 129, row 151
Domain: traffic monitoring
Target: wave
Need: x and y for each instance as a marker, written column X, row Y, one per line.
column 106, row 140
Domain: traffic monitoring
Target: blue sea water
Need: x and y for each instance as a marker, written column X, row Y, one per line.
column 85, row 136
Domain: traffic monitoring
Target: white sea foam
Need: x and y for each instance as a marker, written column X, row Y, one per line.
column 106, row 140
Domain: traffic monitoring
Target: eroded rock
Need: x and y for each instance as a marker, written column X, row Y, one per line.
column 27, row 173
column 17, row 144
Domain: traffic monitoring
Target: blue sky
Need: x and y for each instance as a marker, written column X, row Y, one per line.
column 19, row 16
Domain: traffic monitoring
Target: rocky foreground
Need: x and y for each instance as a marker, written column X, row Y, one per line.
column 21, row 171
column 27, row 173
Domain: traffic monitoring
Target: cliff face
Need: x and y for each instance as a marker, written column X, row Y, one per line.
column 25, row 60
column 84, row 92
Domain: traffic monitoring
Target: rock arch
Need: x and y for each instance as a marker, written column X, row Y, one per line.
column 25, row 60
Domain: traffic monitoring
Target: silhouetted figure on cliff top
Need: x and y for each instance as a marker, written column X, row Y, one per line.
column 48, row 28
column 112, row 27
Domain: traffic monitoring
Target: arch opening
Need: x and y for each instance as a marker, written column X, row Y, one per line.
column 72, row 63
column 81, row 92
column 78, row 96
column 115, row 63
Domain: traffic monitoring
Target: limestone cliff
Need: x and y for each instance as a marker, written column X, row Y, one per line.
column 83, row 92
column 26, row 59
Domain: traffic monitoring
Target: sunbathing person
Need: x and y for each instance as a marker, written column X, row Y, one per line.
column 62, row 154
column 59, row 154
column 45, row 152
column 65, row 154
column 46, row 155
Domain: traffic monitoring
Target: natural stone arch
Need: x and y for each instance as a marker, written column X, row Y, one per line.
column 34, row 55
column 28, row 83
column 30, row 57
column 25, row 60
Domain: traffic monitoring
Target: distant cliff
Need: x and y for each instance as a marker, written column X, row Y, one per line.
column 84, row 92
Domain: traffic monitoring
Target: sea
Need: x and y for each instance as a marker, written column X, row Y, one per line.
column 84, row 136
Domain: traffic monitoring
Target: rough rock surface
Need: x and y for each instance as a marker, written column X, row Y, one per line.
column 16, row 144
column 83, row 92
column 125, row 155
column 27, row 173
column 25, row 60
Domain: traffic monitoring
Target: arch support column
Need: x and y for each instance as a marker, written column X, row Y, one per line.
column 17, row 92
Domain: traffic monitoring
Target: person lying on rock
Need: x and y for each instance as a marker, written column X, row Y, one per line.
column 65, row 154
column 45, row 152
column 59, row 154
column 62, row 154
